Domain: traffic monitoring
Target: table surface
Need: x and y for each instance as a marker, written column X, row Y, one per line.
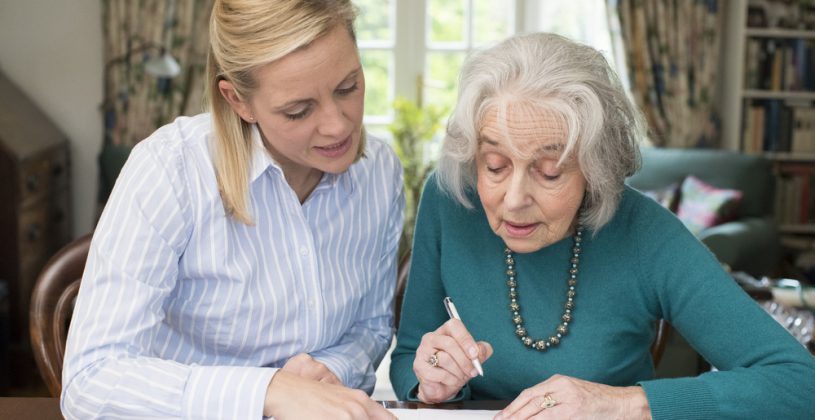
column 13, row 408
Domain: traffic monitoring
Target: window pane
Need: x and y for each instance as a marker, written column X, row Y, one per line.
column 442, row 77
column 584, row 21
column 492, row 21
column 378, row 69
column 373, row 23
column 447, row 23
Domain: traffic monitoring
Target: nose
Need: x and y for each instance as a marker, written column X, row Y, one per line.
column 518, row 194
column 333, row 121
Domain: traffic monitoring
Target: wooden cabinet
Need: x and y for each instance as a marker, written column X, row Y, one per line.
column 35, row 214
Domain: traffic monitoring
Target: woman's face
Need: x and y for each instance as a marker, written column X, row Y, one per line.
column 309, row 105
column 529, row 200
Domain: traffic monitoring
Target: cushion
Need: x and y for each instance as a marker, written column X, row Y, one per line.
column 703, row 205
column 667, row 197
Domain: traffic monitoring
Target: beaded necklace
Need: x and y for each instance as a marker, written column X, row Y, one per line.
column 515, row 307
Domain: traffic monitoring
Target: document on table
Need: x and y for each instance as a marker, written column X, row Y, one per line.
column 435, row 413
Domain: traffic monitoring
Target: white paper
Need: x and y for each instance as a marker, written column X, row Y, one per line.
column 436, row 413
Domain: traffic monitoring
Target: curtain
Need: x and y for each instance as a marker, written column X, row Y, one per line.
column 135, row 31
column 672, row 54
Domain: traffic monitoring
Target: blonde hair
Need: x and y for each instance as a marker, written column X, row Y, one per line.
column 570, row 81
column 245, row 35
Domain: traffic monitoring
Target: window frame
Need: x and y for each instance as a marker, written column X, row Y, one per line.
column 410, row 46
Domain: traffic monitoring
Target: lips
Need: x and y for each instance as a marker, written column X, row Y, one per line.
column 336, row 149
column 520, row 230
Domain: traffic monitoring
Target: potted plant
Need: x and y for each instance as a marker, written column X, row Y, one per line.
column 413, row 128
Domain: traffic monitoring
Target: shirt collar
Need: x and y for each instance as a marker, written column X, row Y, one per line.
column 263, row 161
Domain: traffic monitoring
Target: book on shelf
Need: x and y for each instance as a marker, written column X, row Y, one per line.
column 803, row 130
column 795, row 194
column 780, row 64
column 779, row 125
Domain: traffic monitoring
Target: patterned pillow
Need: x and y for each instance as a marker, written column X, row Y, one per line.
column 667, row 197
column 703, row 205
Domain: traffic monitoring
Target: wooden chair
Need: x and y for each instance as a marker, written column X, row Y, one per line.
column 52, row 303
column 663, row 328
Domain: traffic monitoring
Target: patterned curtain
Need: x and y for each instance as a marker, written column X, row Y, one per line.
column 136, row 102
column 672, row 52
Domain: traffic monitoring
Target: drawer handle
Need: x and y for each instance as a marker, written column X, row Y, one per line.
column 34, row 232
column 32, row 182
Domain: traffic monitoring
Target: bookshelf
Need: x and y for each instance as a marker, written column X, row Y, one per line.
column 768, row 105
column 778, row 91
column 766, row 65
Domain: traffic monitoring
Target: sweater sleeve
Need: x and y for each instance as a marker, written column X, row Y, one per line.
column 422, row 309
column 763, row 372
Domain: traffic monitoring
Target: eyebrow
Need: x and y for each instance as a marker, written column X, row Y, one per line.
column 351, row 75
column 546, row 149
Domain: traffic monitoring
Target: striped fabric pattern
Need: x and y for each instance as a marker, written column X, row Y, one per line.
column 185, row 313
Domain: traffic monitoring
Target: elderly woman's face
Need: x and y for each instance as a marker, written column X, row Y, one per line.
column 530, row 201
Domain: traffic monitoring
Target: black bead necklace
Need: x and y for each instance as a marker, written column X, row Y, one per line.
column 515, row 307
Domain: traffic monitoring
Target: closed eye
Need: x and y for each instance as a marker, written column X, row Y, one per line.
column 298, row 115
column 347, row 91
column 495, row 170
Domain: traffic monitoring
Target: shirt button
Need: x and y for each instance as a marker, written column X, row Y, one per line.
column 303, row 251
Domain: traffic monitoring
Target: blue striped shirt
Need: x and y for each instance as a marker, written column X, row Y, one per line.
column 184, row 312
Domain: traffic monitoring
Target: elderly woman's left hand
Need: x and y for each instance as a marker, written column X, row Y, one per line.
column 562, row 397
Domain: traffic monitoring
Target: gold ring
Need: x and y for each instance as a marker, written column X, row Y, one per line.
column 434, row 359
column 548, row 401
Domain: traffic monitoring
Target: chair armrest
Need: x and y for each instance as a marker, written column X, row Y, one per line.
column 751, row 244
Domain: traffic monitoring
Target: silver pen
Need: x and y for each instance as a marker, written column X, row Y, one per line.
column 451, row 310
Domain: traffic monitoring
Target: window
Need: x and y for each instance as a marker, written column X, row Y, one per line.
column 376, row 32
column 415, row 48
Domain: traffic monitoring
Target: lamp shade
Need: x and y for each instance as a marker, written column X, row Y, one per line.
column 163, row 66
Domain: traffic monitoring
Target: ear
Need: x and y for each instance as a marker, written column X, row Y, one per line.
column 239, row 105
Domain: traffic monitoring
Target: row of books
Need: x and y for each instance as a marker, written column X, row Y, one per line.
column 795, row 198
column 780, row 64
column 776, row 125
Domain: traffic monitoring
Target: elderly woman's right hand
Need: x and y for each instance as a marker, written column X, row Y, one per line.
column 443, row 362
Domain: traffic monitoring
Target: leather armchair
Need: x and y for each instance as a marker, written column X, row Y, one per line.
column 751, row 243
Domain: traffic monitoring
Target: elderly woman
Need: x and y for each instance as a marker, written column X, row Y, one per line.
column 563, row 271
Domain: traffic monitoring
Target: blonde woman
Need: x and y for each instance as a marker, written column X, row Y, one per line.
column 244, row 265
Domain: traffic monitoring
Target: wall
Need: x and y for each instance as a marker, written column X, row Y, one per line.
column 52, row 49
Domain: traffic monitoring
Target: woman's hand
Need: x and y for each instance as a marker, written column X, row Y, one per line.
column 293, row 397
column 451, row 347
column 305, row 366
column 564, row 397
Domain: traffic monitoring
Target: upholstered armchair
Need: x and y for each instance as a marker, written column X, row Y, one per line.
column 750, row 240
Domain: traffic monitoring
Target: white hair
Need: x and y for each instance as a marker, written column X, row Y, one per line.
column 564, row 78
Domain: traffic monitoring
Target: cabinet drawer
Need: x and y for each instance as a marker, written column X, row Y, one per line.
column 40, row 174
column 33, row 232
column 60, row 168
column 60, row 219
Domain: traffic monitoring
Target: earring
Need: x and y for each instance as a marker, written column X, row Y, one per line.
column 251, row 118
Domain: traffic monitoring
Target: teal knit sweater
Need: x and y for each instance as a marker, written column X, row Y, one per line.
column 642, row 266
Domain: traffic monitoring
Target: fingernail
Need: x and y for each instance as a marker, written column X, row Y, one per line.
column 473, row 373
column 473, row 352
column 498, row 417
